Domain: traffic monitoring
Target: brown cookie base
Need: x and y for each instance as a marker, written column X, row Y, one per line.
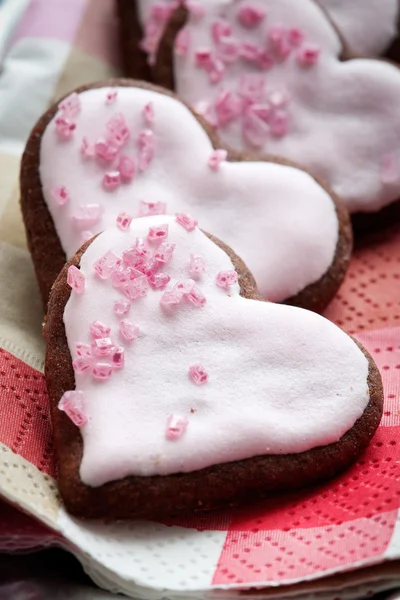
column 49, row 257
column 211, row 488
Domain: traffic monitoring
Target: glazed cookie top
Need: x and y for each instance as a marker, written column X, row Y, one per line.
column 368, row 26
column 175, row 371
column 127, row 149
column 267, row 75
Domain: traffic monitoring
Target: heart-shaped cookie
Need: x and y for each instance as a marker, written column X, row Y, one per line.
column 173, row 390
column 267, row 76
column 128, row 148
column 367, row 26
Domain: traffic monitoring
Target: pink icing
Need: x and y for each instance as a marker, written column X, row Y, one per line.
column 295, row 49
column 263, row 352
column 244, row 204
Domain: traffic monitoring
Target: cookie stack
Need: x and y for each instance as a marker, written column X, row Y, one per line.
column 182, row 377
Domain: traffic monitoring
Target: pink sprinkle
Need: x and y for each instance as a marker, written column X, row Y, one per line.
column 255, row 130
column 147, row 147
column 216, row 71
column 279, row 123
column 136, row 288
column 121, row 307
column 72, row 403
column 188, row 222
column 216, row 158
column 203, row 58
column 87, row 215
column 195, row 8
column 296, row 36
column 158, row 234
column 197, row 265
column 308, row 56
column 148, row 113
column 111, row 96
column 107, row 264
column 126, row 168
column 226, row 278
column 176, row 427
column 119, row 130
column 227, row 107
column 60, row 195
column 249, row 51
column 171, row 297
column 220, row 29
column 250, row 15
column 184, row 287
column 111, row 180
column 164, row 252
column 106, row 150
column 86, row 236
column 76, row 279
column 83, row 349
column 81, row 364
column 71, row 105
column 102, row 346
column 159, row 281
column 280, row 42
column 102, row 371
column 118, row 358
column 128, row 330
column 124, row 221
column 65, row 127
column 99, row 330
column 198, row 374
column 228, row 49
column 182, row 42
column 147, row 209
column 87, row 149
column 196, row 297
column 265, row 60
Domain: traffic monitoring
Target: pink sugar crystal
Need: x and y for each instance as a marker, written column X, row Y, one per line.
column 126, row 168
column 121, row 307
column 158, row 281
column 119, row 130
column 147, row 147
column 307, row 56
column 251, row 88
column 76, row 279
column 99, row 330
column 197, row 265
column 118, row 358
column 111, row 96
column 198, row 374
column 265, row 60
column 220, row 29
column 71, row 105
column 128, row 330
column 140, row 247
column 182, row 41
column 136, row 288
column 81, row 364
column 102, row 346
column 87, row 149
column 152, row 266
column 176, row 426
column 184, row 287
column 227, row 107
column 203, row 58
column 279, row 123
column 164, row 252
column 171, row 297
column 147, row 209
column 226, row 278
column 216, row 158
column 255, row 130
column 102, row 371
column 106, row 150
column 249, row 51
column 228, row 49
column 72, row 403
column 83, row 349
column 86, row 235
column 124, row 221
column 187, row 221
column 111, row 180
column 148, row 113
column 250, row 15
column 107, row 264
column 158, row 234
column 296, row 36
column 216, row 71
column 60, row 195
column 87, row 215
column 65, row 127
column 136, row 255
column 196, row 297
column 279, row 41
column 120, row 277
